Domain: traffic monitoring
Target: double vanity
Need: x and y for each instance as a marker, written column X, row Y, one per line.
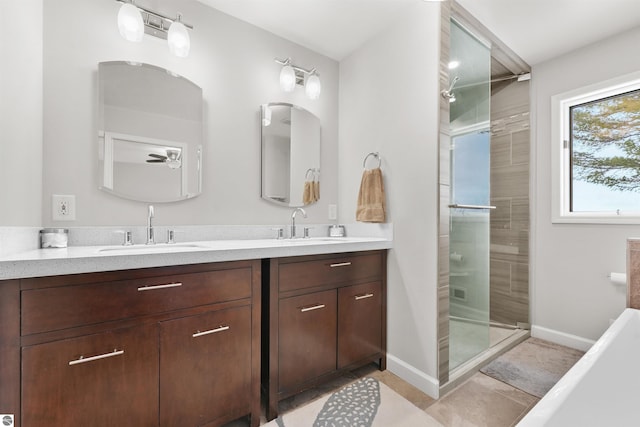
column 185, row 334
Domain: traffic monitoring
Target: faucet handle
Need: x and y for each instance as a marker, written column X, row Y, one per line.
column 171, row 235
column 128, row 239
column 305, row 234
column 279, row 232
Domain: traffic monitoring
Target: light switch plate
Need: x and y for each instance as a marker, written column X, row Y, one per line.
column 333, row 211
column 63, row 207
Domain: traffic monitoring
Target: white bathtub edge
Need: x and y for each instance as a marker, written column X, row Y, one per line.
column 551, row 402
column 562, row 338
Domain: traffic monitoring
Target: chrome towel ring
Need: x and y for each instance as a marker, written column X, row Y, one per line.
column 374, row 154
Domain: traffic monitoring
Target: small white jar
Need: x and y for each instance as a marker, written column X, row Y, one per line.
column 54, row 238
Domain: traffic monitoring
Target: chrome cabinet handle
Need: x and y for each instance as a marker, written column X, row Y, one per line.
column 83, row 359
column 155, row 287
column 340, row 264
column 211, row 331
column 359, row 297
column 311, row 308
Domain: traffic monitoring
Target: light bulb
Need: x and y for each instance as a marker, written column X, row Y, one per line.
column 287, row 78
column 130, row 23
column 312, row 86
column 178, row 39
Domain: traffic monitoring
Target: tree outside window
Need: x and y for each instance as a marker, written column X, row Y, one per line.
column 605, row 154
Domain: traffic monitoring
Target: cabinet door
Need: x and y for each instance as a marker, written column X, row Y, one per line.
column 103, row 380
column 359, row 322
column 205, row 367
column 307, row 337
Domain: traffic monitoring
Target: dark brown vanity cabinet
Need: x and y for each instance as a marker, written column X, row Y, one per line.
column 307, row 332
column 321, row 314
column 169, row 346
column 109, row 378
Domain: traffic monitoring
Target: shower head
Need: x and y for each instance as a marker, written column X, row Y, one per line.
column 448, row 93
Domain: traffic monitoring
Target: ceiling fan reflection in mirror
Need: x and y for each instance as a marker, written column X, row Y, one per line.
column 172, row 158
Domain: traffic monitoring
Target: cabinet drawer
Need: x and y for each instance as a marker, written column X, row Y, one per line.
column 102, row 380
column 63, row 307
column 309, row 274
column 205, row 367
column 307, row 337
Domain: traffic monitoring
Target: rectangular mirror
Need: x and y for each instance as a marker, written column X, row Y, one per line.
column 150, row 133
column 290, row 155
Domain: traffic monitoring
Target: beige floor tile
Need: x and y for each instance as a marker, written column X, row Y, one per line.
column 481, row 402
column 404, row 389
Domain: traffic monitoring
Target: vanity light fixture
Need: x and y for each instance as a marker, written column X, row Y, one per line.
column 292, row 75
column 312, row 86
column 130, row 22
column 134, row 20
column 178, row 38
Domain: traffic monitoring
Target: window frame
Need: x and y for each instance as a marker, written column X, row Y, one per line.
column 561, row 151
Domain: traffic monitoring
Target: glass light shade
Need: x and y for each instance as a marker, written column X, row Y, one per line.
column 178, row 39
column 312, row 86
column 130, row 23
column 287, row 78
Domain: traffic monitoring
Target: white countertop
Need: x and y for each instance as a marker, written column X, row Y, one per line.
column 85, row 259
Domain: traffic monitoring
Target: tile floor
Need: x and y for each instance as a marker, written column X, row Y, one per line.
column 481, row 401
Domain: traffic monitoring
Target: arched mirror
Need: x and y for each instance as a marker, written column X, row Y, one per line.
column 150, row 133
column 290, row 155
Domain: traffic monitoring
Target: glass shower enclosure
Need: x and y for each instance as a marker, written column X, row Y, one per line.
column 469, row 211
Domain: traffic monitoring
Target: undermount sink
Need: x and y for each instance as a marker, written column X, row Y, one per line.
column 152, row 248
column 312, row 240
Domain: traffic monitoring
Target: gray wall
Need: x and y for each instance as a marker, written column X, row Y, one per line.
column 234, row 64
column 21, row 113
column 571, row 293
column 389, row 103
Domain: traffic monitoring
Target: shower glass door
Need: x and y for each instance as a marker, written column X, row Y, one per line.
column 469, row 210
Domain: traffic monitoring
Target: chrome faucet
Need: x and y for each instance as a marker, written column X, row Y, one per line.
column 151, row 238
column 293, row 220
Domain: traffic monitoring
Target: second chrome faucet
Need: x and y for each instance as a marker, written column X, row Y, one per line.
column 151, row 238
column 293, row 220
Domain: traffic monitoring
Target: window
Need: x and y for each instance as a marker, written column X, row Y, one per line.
column 596, row 153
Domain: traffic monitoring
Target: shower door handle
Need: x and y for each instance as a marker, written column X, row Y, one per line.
column 457, row 206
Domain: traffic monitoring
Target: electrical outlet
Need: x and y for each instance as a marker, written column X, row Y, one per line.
column 63, row 207
column 333, row 211
column 7, row 419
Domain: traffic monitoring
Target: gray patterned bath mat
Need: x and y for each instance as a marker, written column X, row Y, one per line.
column 363, row 403
column 533, row 366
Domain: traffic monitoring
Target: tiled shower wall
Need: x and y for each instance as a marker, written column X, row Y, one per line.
column 633, row 273
column 509, row 252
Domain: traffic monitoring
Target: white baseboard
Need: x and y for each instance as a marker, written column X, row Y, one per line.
column 561, row 338
column 413, row 376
